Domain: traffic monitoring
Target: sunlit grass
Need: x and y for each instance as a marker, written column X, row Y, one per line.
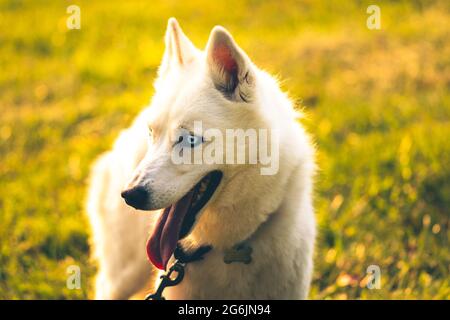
column 377, row 105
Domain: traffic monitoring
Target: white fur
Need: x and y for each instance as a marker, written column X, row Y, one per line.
column 274, row 214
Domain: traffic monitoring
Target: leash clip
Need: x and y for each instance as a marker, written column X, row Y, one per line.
column 181, row 259
column 167, row 281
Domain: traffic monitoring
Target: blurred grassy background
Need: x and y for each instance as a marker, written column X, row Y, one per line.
column 378, row 106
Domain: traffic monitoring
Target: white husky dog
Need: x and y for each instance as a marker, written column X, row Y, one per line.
column 260, row 227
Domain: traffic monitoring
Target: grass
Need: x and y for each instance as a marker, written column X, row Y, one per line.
column 377, row 104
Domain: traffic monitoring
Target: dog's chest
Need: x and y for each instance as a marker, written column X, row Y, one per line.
column 213, row 279
column 221, row 275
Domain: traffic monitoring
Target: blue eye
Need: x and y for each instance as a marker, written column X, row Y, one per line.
column 187, row 139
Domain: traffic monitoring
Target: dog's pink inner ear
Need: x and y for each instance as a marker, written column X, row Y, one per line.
column 223, row 57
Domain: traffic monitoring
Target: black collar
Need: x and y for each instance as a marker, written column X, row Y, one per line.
column 187, row 257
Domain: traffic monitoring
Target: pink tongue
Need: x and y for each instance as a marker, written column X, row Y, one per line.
column 162, row 243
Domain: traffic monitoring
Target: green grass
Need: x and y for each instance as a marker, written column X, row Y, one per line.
column 377, row 104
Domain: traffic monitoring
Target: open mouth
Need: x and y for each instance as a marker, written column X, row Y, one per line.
column 177, row 220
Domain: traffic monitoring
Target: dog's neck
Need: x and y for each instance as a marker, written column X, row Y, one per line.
column 225, row 226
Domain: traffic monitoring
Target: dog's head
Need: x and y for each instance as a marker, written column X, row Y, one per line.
column 199, row 96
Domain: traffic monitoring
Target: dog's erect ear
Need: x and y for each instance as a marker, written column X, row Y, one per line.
column 179, row 49
column 229, row 67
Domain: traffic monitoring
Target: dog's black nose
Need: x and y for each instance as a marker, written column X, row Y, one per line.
column 136, row 197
